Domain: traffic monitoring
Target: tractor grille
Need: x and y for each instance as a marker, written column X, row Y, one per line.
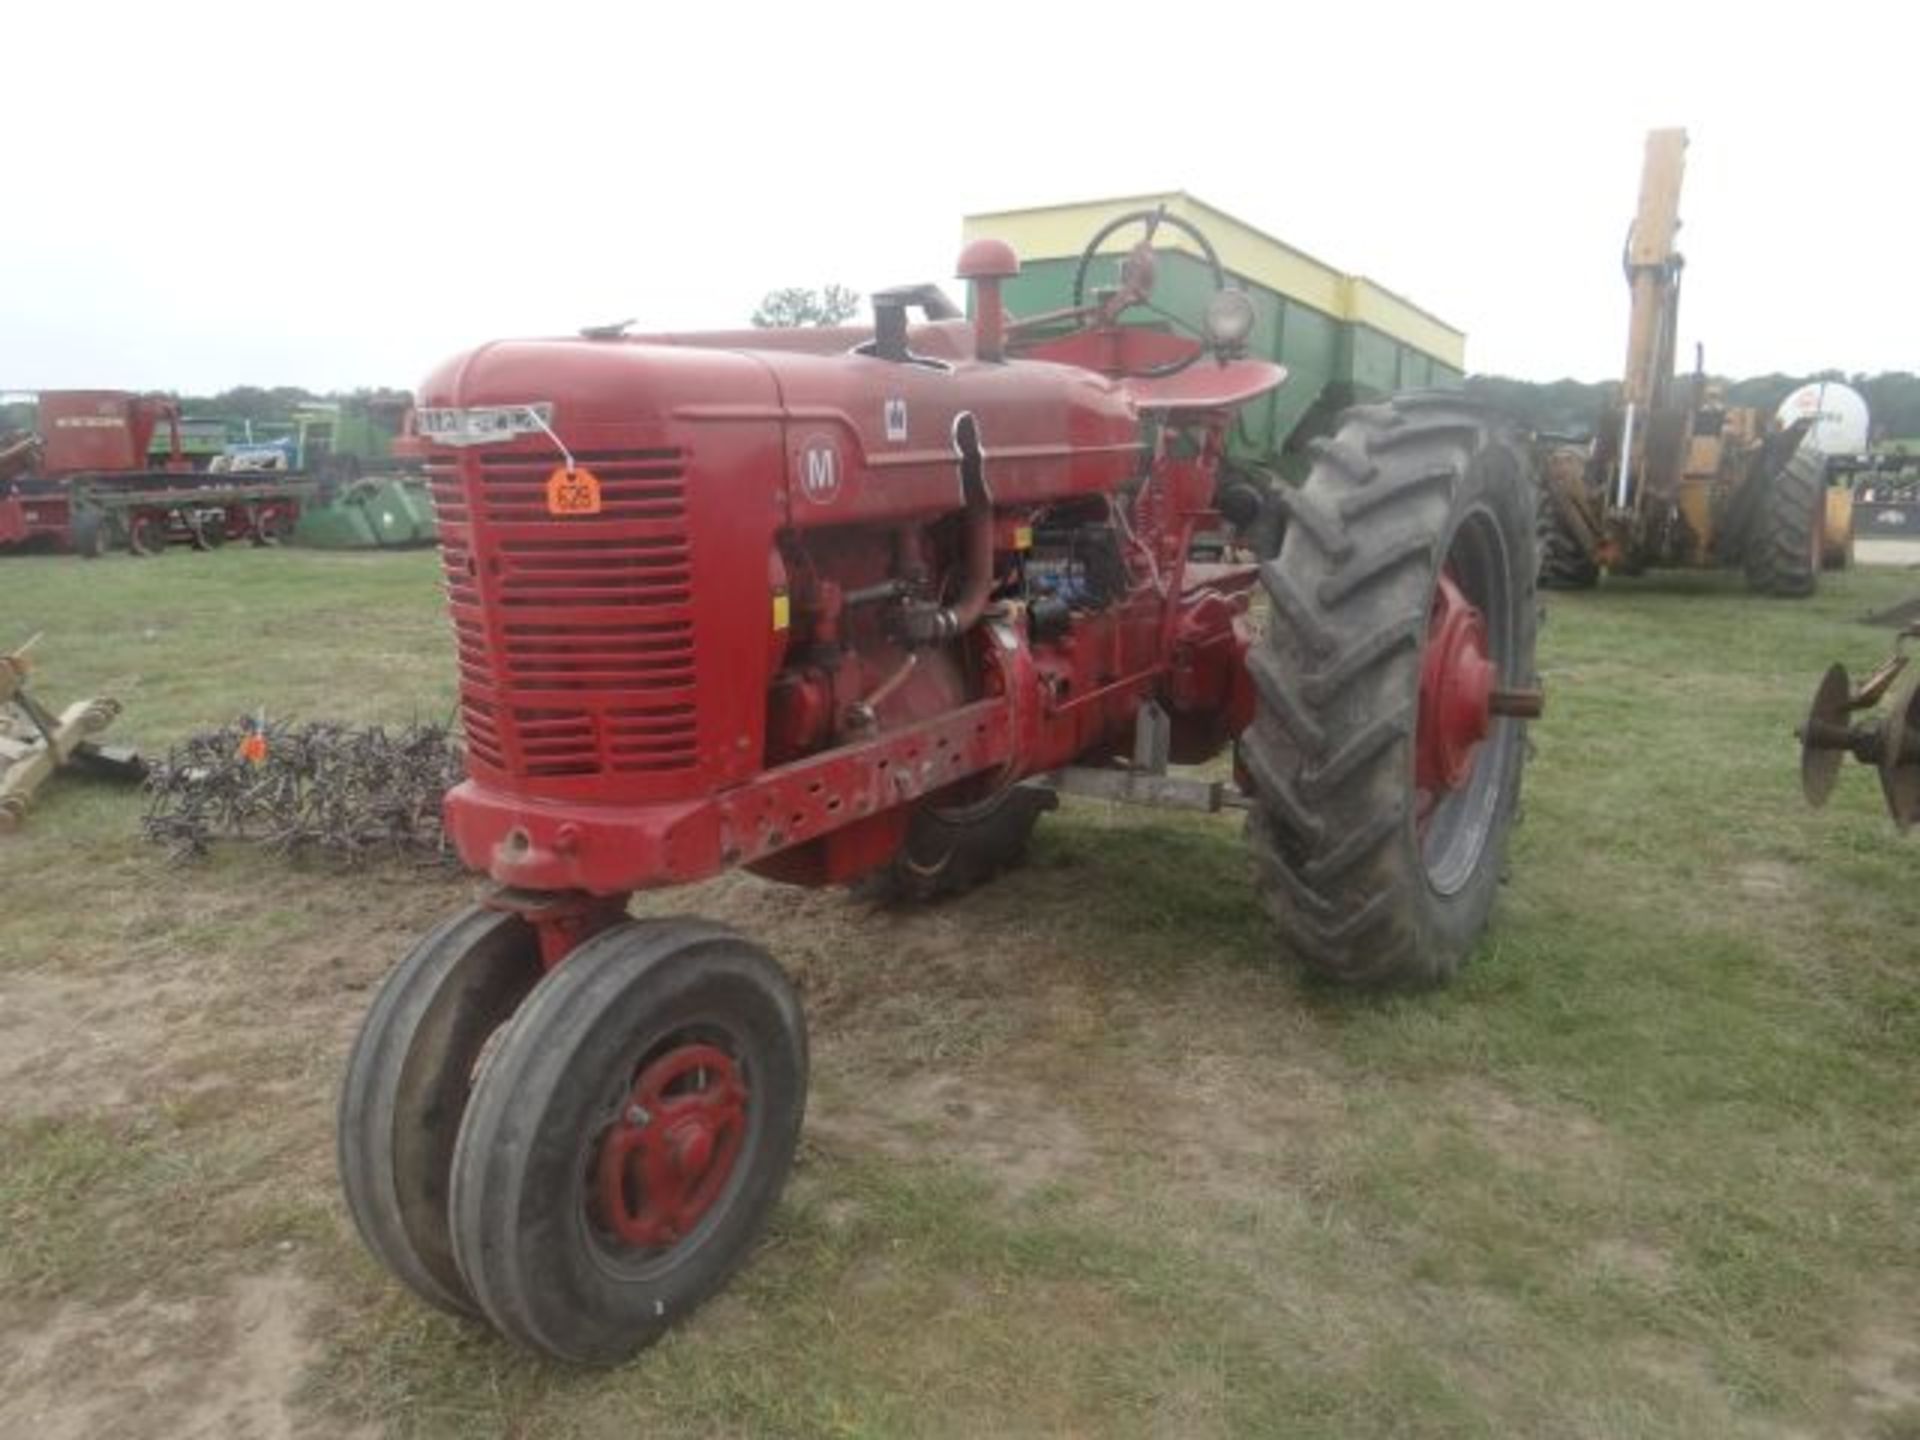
column 574, row 636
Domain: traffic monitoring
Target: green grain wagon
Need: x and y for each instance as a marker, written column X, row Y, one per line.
column 1343, row 338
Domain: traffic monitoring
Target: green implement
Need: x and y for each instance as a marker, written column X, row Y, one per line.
column 374, row 512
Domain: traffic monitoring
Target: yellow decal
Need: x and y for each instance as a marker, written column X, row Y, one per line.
column 1023, row 537
column 573, row 492
column 782, row 612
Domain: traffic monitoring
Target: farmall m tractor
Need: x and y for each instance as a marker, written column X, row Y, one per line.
column 853, row 608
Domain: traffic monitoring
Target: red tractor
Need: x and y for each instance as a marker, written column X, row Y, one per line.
column 853, row 606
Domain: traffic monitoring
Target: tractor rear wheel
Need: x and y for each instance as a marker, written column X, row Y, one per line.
column 407, row 1084
column 1403, row 608
column 948, row 851
column 629, row 1137
column 1783, row 550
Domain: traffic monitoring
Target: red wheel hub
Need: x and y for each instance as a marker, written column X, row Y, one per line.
column 1456, row 692
column 668, row 1156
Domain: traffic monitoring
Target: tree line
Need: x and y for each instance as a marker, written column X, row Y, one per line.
column 1558, row 407
column 1573, row 407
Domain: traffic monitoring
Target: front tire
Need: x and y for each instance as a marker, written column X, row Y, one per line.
column 629, row 1138
column 1370, row 878
column 407, row 1085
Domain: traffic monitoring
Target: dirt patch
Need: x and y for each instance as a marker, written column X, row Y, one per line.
column 248, row 1392
column 1527, row 1136
column 1883, row 1369
column 70, row 1043
column 1626, row 1258
column 224, row 1367
column 1769, row 880
column 1014, row 1133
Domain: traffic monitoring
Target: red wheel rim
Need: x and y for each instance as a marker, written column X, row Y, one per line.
column 668, row 1156
column 1456, row 694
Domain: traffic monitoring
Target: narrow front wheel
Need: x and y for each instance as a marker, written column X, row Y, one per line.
column 629, row 1139
column 406, row 1088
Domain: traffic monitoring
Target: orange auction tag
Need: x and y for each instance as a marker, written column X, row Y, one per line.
column 573, row 492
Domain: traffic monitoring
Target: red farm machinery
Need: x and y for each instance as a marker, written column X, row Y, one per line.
column 848, row 606
column 93, row 474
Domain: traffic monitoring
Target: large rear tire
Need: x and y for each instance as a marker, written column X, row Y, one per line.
column 1783, row 550
column 1371, row 879
column 408, row 1078
column 629, row 1138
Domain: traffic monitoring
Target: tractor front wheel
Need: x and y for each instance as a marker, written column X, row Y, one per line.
column 1783, row 550
column 629, row 1137
column 408, row 1078
column 1384, row 753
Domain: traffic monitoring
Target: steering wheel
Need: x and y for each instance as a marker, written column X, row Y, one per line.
column 1138, row 273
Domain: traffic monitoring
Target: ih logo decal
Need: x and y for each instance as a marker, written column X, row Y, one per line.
column 818, row 465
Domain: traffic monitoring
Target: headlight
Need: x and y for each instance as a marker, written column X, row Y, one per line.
column 1229, row 318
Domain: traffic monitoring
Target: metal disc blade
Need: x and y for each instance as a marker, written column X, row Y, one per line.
column 1820, row 767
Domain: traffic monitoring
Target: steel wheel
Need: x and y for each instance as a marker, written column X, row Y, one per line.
column 271, row 525
column 629, row 1138
column 208, row 529
column 407, row 1084
column 147, row 533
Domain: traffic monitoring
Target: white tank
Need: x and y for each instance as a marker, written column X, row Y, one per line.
column 1839, row 415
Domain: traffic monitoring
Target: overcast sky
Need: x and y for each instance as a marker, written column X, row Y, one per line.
column 199, row 196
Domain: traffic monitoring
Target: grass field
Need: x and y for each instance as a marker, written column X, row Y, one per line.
column 1081, row 1160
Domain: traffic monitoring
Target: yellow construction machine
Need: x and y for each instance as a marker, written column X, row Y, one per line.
column 1674, row 476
